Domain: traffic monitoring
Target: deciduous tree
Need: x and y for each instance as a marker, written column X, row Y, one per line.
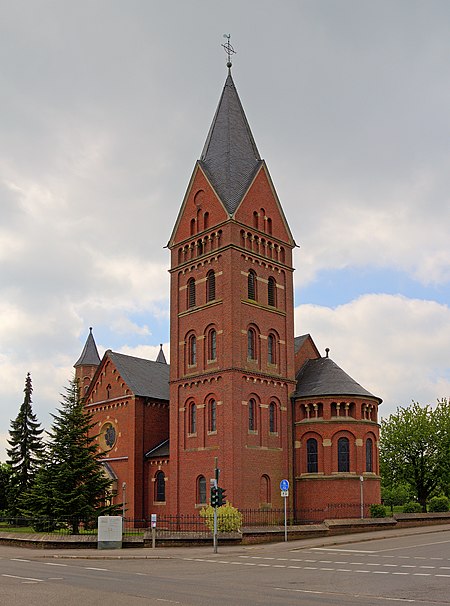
column 415, row 448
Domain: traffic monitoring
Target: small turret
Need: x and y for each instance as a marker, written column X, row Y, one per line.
column 161, row 357
column 87, row 363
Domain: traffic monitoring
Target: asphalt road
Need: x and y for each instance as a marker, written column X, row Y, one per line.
column 406, row 569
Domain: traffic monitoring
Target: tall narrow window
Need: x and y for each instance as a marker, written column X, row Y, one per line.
column 251, row 344
column 160, row 487
column 312, row 460
column 212, row 344
column 369, row 454
column 200, row 247
column 264, row 489
column 252, row 415
column 192, row 351
column 343, row 454
column 271, row 350
column 191, row 292
column 251, row 285
column 272, row 417
column 210, row 286
column 192, row 227
column 271, row 292
column 192, row 418
column 212, row 415
column 201, row 490
column 206, row 220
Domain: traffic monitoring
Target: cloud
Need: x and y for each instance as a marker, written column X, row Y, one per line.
column 397, row 348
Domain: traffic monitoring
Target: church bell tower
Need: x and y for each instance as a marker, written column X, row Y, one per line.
column 232, row 340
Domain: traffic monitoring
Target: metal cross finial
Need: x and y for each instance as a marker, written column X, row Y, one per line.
column 229, row 50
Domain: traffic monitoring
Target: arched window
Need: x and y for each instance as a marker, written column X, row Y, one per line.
column 201, row 490
column 251, row 285
column 271, row 292
column 343, row 454
column 255, row 219
column 192, row 418
column 212, row 344
column 269, row 225
column 192, row 351
column 251, row 344
column 210, row 286
column 160, row 487
column 212, row 415
column 369, row 454
column 272, row 417
column 206, row 220
column 192, row 227
column 264, row 489
column 312, row 460
column 200, row 247
column 191, row 292
column 271, row 350
column 252, row 415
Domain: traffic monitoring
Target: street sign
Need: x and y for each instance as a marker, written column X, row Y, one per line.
column 284, row 485
column 285, row 493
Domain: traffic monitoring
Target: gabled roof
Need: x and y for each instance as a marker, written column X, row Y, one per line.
column 298, row 342
column 230, row 158
column 144, row 377
column 323, row 377
column 89, row 355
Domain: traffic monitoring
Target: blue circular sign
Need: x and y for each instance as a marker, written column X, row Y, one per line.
column 284, row 485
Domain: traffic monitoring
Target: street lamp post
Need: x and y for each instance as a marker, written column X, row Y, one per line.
column 124, row 498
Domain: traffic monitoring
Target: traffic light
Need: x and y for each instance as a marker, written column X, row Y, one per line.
column 214, row 496
column 221, row 496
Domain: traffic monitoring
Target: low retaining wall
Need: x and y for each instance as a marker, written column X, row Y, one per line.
column 245, row 537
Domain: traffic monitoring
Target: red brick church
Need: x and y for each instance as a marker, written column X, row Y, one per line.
column 240, row 386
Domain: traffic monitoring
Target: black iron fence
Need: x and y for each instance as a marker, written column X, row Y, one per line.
column 185, row 523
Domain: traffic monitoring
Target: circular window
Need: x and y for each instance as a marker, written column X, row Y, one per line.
column 108, row 436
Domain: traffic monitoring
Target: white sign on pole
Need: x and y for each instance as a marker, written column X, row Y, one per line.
column 285, row 493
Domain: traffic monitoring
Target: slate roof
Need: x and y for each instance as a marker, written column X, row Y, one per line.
column 145, row 378
column 230, row 158
column 323, row 377
column 161, row 450
column 161, row 357
column 89, row 355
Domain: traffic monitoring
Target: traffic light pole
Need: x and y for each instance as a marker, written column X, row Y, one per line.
column 216, row 479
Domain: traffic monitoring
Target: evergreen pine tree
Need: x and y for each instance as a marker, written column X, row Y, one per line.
column 5, row 475
column 72, row 484
column 25, row 452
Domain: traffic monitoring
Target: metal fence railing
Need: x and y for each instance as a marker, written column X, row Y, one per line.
column 184, row 523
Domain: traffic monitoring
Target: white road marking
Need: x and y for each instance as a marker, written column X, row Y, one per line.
column 53, row 564
column 19, row 560
column 100, row 569
column 12, row 576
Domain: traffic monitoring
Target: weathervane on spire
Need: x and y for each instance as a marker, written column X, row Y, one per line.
column 229, row 50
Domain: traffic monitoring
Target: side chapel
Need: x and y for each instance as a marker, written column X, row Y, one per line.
column 240, row 386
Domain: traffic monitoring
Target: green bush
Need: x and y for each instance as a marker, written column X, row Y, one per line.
column 229, row 519
column 377, row 511
column 439, row 504
column 412, row 507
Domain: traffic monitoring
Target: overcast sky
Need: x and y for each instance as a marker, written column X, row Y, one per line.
column 104, row 108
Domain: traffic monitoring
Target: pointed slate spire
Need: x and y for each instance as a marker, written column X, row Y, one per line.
column 230, row 157
column 89, row 355
column 161, row 357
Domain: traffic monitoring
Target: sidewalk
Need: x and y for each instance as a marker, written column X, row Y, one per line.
column 7, row 551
